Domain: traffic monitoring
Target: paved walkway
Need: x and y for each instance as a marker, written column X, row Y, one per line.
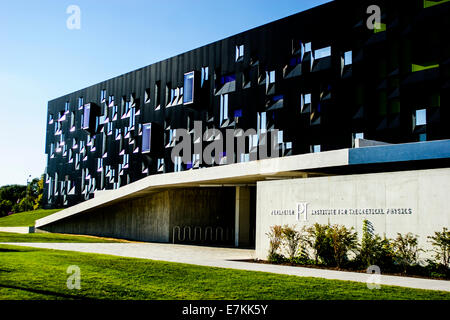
column 226, row 258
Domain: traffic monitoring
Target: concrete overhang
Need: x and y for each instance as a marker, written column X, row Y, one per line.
column 227, row 175
column 248, row 173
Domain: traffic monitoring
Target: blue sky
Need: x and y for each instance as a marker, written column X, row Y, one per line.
column 41, row 59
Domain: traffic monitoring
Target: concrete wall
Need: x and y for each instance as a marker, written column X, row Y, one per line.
column 410, row 201
column 144, row 219
column 153, row 217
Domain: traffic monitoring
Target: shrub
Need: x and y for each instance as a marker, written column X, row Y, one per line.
column 441, row 244
column 406, row 250
column 275, row 239
column 293, row 241
column 343, row 240
column 374, row 249
column 319, row 241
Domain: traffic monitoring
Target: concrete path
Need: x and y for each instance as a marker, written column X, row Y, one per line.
column 225, row 258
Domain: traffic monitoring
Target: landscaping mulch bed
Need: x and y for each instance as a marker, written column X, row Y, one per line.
column 290, row 264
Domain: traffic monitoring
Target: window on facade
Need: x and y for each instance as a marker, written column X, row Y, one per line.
column 348, row 58
column 262, row 122
column 157, row 95
column 189, row 87
column 67, row 107
column 99, row 165
column 114, row 113
column 111, row 101
column 422, row 137
column 322, row 53
column 177, row 164
column 316, row 148
column 80, row 103
column 147, row 98
column 103, row 96
column 86, row 116
column 72, row 121
column 240, row 52
column 126, row 160
column 118, row 134
column 421, row 117
column 146, row 137
column 223, row 108
column 308, row 47
column 270, row 77
column 205, row 76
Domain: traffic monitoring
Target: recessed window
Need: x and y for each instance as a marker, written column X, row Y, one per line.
column 103, row 96
column 262, row 122
column 240, row 52
column 307, row 98
column 188, row 88
column 147, row 96
column 316, row 148
column 422, row 137
column 348, row 58
column 308, row 47
column 270, row 77
column 223, row 108
column 80, row 103
column 99, row 165
column 146, row 137
column 157, row 95
column 205, row 76
column 111, row 101
column 421, row 117
column 322, row 53
column 86, row 116
column 227, row 78
column 66, row 107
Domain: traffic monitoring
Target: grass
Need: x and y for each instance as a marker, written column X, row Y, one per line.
column 53, row 237
column 30, row 273
column 25, row 219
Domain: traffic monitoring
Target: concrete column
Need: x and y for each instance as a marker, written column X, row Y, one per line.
column 242, row 217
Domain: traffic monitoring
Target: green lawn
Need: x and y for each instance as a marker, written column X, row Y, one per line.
column 29, row 273
column 25, row 219
column 53, row 237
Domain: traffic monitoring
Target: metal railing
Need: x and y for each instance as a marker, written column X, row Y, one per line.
column 198, row 234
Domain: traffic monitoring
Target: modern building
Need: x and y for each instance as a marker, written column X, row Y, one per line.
column 333, row 82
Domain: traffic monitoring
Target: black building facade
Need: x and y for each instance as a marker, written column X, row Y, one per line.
column 322, row 77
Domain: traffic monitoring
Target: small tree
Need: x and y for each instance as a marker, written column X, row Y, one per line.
column 441, row 244
column 319, row 241
column 343, row 240
column 292, row 240
column 406, row 250
column 275, row 239
column 374, row 249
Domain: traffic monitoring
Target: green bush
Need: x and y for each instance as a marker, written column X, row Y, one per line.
column 292, row 240
column 406, row 250
column 374, row 249
column 343, row 240
column 320, row 242
column 275, row 239
column 441, row 244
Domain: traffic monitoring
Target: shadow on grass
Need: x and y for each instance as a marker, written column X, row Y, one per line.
column 48, row 293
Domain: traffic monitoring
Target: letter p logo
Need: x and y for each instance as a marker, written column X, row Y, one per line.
column 302, row 209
